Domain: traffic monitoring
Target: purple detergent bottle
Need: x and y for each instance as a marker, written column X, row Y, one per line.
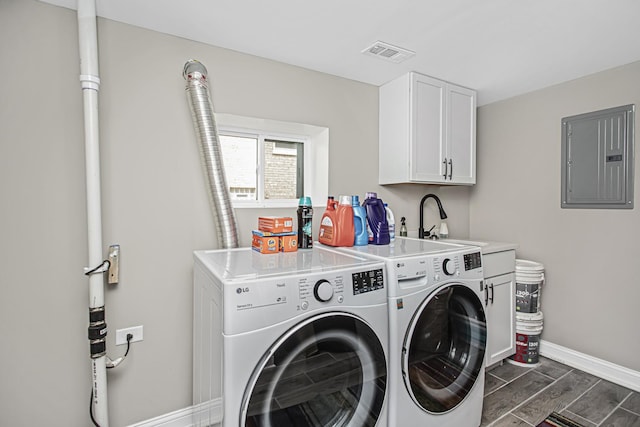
column 377, row 224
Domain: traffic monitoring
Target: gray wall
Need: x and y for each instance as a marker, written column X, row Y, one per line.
column 154, row 201
column 590, row 300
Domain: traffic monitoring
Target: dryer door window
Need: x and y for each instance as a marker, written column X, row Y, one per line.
column 327, row 371
column 444, row 348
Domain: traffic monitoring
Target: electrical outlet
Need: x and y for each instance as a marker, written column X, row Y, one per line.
column 121, row 334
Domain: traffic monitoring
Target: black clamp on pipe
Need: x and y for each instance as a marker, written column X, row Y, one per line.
column 97, row 332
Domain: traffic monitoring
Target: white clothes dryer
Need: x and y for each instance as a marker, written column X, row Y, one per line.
column 437, row 330
column 290, row 340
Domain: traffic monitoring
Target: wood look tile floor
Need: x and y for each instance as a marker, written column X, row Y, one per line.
column 524, row 396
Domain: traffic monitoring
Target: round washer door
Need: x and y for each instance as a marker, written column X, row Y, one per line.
column 327, row 371
column 444, row 348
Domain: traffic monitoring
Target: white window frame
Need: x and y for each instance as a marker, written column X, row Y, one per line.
column 315, row 140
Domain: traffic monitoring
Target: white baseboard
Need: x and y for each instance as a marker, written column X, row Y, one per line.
column 601, row 368
column 204, row 414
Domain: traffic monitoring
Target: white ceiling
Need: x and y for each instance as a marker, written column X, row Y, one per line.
column 501, row 48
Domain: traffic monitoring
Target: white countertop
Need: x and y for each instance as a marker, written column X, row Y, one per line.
column 486, row 247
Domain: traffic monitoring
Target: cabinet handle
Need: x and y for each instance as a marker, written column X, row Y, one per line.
column 491, row 299
column 486, row 295
column 450, row 169
column 444, row 162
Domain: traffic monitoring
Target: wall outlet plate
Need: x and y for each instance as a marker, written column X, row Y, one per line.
column 121, row 334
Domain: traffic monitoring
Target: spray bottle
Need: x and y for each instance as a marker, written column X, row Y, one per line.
column 403, row 227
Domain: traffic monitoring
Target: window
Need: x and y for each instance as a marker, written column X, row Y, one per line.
column 283, row 169
column 272, row 164
column 259, row 168
column 240, row 155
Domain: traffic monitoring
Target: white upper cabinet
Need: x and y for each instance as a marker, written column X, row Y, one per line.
column 427, row 132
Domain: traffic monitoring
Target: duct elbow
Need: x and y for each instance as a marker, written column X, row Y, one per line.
column 194, row 69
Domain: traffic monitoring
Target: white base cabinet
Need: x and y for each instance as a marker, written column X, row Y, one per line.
column 500, row 303
column 427, row 132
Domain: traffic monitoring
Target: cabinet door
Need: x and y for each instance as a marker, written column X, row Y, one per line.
column 427, row 129
column 427, row 132
column 461, row 135
column 501, row 323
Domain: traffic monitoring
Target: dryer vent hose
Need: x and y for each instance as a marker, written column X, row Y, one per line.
column 195, row 73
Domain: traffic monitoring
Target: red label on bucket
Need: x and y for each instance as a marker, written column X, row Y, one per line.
column 526, row 348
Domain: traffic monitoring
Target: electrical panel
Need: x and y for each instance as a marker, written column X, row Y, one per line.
column 597, row 159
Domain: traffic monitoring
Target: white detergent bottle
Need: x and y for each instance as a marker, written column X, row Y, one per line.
column 392, row 222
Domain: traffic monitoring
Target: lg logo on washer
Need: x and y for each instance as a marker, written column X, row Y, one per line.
column 242, row 290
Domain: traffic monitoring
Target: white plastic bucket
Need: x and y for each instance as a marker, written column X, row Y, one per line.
column 528, row 330
column 529, row 280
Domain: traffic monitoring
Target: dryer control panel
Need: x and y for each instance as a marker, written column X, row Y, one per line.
column 367, row 281
column 255, row 290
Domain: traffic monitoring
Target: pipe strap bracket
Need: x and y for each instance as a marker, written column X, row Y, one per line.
column 102, row 268
column 89, row 81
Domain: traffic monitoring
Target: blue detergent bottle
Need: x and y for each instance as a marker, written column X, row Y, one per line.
column 378, row 227
column 361, row 237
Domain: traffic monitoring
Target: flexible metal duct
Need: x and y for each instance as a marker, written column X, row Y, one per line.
column 195, row 73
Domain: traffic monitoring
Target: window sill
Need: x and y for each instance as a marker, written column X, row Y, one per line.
column 280, row 205
column 258, row 205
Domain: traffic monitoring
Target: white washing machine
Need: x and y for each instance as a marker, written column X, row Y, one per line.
column 291, row 339
column 437, row 330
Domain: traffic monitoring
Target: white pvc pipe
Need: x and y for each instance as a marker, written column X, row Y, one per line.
column 90, row 81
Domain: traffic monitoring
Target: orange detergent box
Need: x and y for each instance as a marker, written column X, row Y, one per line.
column 289, row 242
column 275, row 224
column 272, row 243
column 265, row 243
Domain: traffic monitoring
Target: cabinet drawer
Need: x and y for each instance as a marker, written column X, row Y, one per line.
column 497, row 263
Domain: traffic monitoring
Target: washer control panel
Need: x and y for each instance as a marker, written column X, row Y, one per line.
column 462, row 265
column 472, row 261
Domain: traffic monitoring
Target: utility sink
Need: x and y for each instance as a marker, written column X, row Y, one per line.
column 467, row 242
column 485, row 247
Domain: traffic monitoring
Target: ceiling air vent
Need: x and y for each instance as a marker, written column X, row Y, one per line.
column 388, row 52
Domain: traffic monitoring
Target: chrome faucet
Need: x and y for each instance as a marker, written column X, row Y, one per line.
column 443, row 215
